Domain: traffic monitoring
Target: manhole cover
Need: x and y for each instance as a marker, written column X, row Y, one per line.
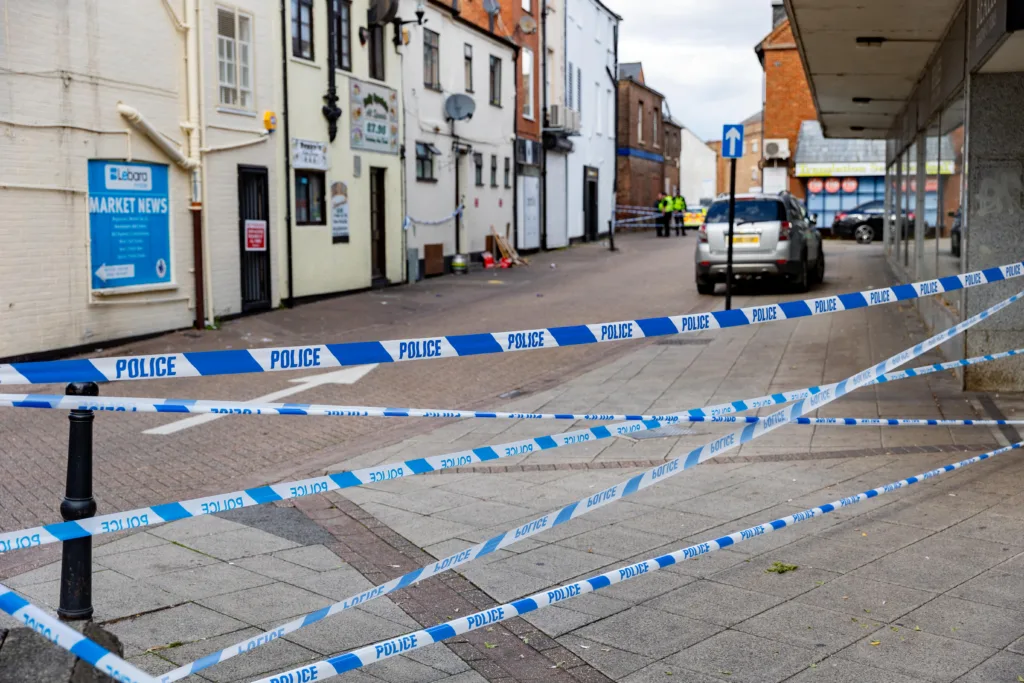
column 682, row 341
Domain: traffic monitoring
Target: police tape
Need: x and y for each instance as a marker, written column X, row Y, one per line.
column 197, row 406
column 386, row 649
column 592, row 502
column 69, row 639
column 169, row 512
column 240, row 361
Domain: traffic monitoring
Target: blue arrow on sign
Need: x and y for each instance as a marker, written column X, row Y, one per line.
column 732, row 141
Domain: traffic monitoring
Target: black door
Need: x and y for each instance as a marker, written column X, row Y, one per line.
column 590, row 215
column 254, row 230
column 378, row 250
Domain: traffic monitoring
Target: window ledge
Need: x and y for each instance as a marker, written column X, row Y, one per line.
column 426, row 180
column 433, row 88
column 304, row 62
column 223, row 109
column 496, row 104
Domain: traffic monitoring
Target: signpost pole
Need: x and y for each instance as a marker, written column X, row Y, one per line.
column 732, row 149
column 732, row 219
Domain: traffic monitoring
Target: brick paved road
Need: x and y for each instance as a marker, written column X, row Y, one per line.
column 586, row 284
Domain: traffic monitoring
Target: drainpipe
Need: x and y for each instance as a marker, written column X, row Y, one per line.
column 287, row 154
column 614, row 75
column 196, row 204
column 544, row 121
column 198, row 138
column 516, row 78
column 457, row 157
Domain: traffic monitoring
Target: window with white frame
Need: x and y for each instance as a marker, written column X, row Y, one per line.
column 234, row 58
column 527, row 6
column 527, row 58
column 640, row 122
column 654, row 129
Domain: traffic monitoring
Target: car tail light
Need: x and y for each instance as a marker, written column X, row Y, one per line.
column 840, row 216
column 702, row 234
column 910, row 215
column 784, row 231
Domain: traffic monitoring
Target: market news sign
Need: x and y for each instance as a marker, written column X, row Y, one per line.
column 374, row 116
column 129, row 225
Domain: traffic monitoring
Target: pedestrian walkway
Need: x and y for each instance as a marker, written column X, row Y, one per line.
column 917, row 585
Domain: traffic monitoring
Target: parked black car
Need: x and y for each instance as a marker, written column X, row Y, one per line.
column 864, row 223
column 955, row 233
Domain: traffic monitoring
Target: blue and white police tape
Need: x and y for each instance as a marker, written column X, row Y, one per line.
column 595, row 501
column 169, row 512
column 69, row 639
column 869, row 421
column 239, row 361
column 196, row 406
column 403, row 644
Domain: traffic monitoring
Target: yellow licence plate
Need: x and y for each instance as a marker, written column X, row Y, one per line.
column 746, row 239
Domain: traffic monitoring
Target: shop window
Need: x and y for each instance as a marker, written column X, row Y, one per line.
column 302, row 28
column 309, row 198
column 425, row 155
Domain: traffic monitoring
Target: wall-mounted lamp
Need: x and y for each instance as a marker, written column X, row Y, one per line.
column 398, row 23
column 364, row 35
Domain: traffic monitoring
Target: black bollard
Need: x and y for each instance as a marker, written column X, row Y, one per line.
column 78, row 503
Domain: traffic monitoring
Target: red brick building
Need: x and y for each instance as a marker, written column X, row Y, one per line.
column 787, row 101
column 641, row 139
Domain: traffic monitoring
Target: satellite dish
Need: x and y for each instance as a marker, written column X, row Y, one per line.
column 527, row 24
column 382, row 11
column 459, row 107
column 492, row 7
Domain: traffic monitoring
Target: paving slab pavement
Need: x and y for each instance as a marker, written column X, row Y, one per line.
column 945, row 556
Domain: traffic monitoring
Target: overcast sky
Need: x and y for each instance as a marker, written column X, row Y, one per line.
column 699, row 54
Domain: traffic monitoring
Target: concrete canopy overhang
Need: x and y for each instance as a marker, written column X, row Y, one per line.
column 871, row 50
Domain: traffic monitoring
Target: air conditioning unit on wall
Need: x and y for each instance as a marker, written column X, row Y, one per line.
column 776, row 148
column 556, row 116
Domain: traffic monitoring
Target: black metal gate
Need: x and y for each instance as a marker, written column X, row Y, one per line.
column 254, row 231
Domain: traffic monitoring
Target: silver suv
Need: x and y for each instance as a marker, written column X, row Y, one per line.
column 772, row 237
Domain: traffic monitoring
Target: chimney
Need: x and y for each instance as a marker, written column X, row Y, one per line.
column 778, row 13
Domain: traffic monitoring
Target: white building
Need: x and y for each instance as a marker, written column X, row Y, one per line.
column 591, row 32
column 449, row 162
column 698, row 167
column 111, row 147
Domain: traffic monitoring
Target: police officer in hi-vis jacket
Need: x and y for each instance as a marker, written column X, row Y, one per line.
column 665, row 205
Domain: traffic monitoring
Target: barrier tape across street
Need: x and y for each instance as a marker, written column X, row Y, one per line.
column 169, row 512
column 386, row 649
column 195, row 406
column 240, row 361
column 69, row 639
column 590, row 503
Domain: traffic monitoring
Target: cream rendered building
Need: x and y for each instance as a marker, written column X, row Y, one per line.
column 114, row 137
column 343, row 197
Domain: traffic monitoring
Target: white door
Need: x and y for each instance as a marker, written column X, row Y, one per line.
column 529, row 236
column 558, row 220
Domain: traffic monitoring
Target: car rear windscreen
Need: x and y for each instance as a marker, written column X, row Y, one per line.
column 748, row 211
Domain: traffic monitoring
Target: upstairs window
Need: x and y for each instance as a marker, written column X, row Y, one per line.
column 478, row 161
column 468, row 66
column 302, row 29
column 234, row 58
column 425, row 155
column 495, row 94
column 375, row 45
column 431, row 59
column 494, row 170
column 343, row 34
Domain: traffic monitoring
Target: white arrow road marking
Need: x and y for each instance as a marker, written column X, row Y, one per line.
column 344, row 376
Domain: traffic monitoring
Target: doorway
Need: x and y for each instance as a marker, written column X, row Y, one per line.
column 590, row 214
column 378, row 248
column 254, row 232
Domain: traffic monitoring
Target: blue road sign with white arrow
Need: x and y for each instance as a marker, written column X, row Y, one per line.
column 732, row 141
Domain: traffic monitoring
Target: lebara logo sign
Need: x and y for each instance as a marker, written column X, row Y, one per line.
column 128, row 178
